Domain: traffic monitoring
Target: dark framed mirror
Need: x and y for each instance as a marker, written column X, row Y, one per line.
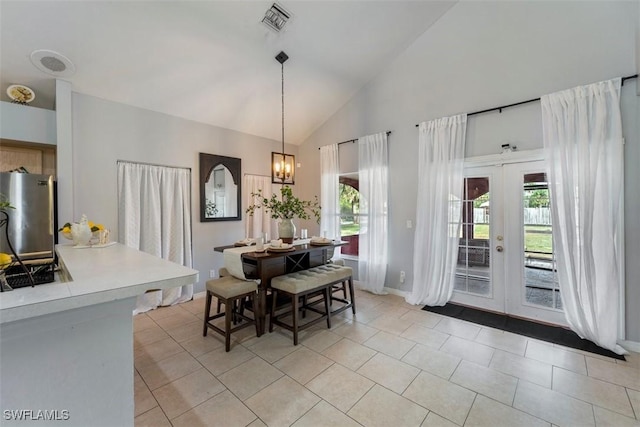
column 220, row 188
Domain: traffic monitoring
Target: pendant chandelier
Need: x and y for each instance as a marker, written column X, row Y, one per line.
column 282, row 165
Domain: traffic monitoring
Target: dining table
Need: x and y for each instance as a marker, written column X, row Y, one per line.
column 244, row 262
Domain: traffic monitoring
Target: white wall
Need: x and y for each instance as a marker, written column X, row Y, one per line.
column 481, row 55
column 105, row 132
column 25, row 123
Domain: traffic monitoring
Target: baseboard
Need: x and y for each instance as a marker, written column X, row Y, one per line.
column 630, row 345
column 398, row 292
column 200, row 295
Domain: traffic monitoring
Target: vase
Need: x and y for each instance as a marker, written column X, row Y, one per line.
column 286, row 230
column 80, row 232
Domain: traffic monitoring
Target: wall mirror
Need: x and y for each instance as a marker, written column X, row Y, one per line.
column 220, row 188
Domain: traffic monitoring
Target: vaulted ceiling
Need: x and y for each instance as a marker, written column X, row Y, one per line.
column 213, row 61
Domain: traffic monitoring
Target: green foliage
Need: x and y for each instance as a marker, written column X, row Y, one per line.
column 287, row 207
column 537, row 198
column 5, row 203
column 480, row 200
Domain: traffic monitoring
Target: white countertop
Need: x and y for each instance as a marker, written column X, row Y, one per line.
column 98, row 275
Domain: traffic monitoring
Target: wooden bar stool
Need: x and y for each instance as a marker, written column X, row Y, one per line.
column 230, row 292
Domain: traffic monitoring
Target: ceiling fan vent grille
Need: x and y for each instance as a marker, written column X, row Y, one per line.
column 51, row 62
column 276, row 17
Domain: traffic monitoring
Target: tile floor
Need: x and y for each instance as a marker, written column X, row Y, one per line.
column 390, row 365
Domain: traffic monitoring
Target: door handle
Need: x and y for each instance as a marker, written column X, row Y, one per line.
column 499, row 248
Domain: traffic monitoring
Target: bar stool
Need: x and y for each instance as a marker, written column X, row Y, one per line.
column 229, row 291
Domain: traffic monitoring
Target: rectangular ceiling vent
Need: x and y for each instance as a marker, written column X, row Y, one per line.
column 276, row 17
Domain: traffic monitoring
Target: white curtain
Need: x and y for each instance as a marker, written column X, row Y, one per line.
column 154, row 216
column 373, row 173
column 329, row 192
column 438, row 211
column 582, row 132
column 260, row 222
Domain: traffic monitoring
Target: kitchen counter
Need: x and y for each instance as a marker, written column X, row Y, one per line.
column 66, row 348
column 94, row 275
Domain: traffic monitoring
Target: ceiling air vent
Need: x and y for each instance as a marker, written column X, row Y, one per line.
column 51, row 62
column 276, row 17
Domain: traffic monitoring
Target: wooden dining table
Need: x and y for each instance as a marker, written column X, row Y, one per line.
column 264, row 266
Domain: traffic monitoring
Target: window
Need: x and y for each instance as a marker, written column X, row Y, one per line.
column 349, row 213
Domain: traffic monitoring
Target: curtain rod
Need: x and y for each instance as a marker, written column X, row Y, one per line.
column 354, row 140
column 152, row 164
column 527, row 101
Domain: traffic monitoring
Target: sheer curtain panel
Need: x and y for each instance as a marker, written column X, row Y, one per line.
column 373, row 171
column 582, row 132
column 329, row 192
column 154, row 216
column 260, row 222
column 438, row 211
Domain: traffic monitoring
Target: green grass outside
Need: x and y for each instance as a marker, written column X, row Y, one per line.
column 349, row 229
column 537, row 238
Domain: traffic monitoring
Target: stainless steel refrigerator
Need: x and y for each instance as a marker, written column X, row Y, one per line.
column 31, row 225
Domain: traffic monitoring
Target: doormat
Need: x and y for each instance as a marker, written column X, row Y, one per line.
column 552, row 334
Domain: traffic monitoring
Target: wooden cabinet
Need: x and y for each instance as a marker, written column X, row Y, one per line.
column 35, row 158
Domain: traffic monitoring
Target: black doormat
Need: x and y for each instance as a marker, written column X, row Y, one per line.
column 553, row 334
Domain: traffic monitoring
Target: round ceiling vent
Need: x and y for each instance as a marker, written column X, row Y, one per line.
column 53, row 63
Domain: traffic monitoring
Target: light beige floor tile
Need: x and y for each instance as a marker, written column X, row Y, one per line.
column 201, row 345
column 634, row 397
column 367, row 315
column 348, row 353
column 390, row 344
column 458, row 328
column 187, row 331
column 552, row 406
column 356, row 331
column 320, row 340
column 381, row 407
column 422, row 318
column 273, row 346
column 486, row 381
column 219, row 361
column 303, row 364
column 149, row 335
column 282, row 403
column 161, row 312
column 257, row 423
column 600, row 393
column 142, row 322
column 391, row 324
column 142, row 397
column 440, row 396
column 196, row 305
column 527, row 369
column 389, row 372
column 222, row 410
column 486, row 412
column 340, row 386
column 435, row 420
column 614, row 373
column 547, row 353
column 249, row 378
column 325, row 415
column 632, row 360
column 468, row 350
column 152, row 418
column 157, row 351
column 433, row 361
column 613, row 419
column 425, row 336
column 187, row 392
column 503, row 340
column 179, row 318
column 157, row 374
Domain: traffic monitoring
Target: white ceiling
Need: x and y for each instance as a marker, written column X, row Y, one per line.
column 213, row 61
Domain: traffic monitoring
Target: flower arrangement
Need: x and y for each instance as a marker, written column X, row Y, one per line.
column 287, row 207
column 5, row 260
column 66, row 229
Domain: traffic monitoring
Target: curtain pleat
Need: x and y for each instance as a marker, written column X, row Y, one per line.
column 582, row 133
column 373, row 172
column 260, row 222
column 154, row 210
column 438, row 210
column 329, row 192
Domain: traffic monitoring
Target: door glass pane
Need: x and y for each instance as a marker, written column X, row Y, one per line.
column 540, row 274
column 473, row 268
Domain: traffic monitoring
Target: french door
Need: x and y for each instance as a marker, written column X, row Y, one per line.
column 505, row 259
